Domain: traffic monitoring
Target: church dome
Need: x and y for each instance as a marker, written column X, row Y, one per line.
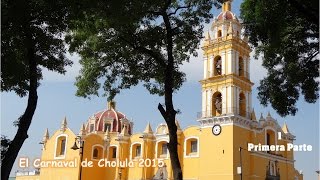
column 227, row 15
column 103, row 115
column 110, row 119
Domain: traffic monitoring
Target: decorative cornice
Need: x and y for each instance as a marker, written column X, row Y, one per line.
column 233, row 119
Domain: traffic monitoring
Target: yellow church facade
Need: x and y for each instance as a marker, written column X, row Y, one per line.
column 228, row 142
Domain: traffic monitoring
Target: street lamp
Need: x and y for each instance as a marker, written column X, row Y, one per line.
column 75, row 147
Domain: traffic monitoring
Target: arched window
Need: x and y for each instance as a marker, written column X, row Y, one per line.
column 136, row 150
column 61, row 146
column 270, row 138
column 219, row 33
column 97, row 152
column 216, row 104
column 162, row 149
column 112, row 152
column 217, row 65
column 242, row 105
column 191, row 147
column 107, row 125
column 241, row 67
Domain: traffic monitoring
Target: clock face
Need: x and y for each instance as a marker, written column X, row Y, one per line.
column 216, row 129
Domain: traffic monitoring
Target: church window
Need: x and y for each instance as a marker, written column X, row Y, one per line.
column 107, row 126
column 113, row 152
column 219, row 33
column 136, row 150
column 191, row 147
column 91, row 127
column 270, row 138
column 164, row 148
column 194, row 146
column 97, row 152
column 61, row 146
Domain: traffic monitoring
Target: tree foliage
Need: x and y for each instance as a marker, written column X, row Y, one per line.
column 37, row 24
column 123, row 43
column 130, row 45
column 286, row 34
column 31, row 39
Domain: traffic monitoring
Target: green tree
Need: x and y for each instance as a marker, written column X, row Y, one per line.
column 286, row 34
column 31, row 39
column 123, row 43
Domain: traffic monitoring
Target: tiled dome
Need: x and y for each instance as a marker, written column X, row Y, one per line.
column 115, row 119
column 227, row 15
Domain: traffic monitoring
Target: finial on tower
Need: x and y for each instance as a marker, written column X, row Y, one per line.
column 253, row 115
column 285, row 128
column 45, row 136
column 226, row 6
column 64, row 124
column 269, row 115
column 82, row 130
column 148, row 129
column 261, row 118
column 111, row 105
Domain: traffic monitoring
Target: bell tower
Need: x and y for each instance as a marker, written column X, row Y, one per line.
column 226, row 85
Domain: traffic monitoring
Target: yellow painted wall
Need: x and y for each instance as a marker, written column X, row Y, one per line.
column 48, row 154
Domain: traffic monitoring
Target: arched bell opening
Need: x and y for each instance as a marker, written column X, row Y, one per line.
column 241, row 67
column 216, row 104
column 242, row 105
column 217, row 65
column 219, row 33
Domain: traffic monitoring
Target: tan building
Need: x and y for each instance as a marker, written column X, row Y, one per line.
column 217, row 147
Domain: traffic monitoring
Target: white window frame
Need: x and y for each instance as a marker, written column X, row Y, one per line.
column 158, row 156
column 191, row 155
column 97, row 145
column 131, row 150
column 110, row 158
column 56, row 145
